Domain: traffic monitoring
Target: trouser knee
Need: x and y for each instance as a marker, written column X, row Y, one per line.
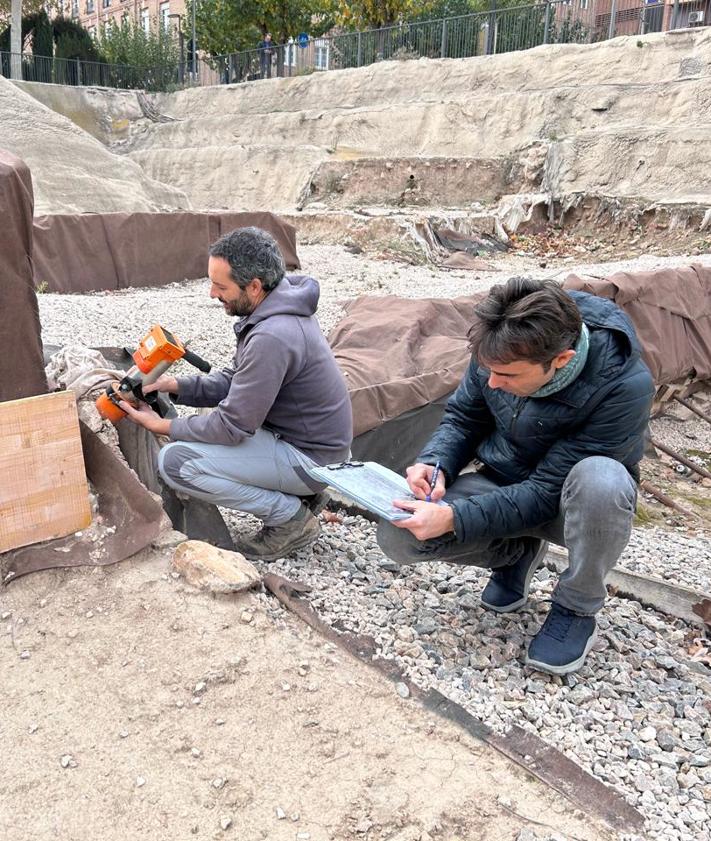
column 171, row 461
column 397, row 544
column 600, row 487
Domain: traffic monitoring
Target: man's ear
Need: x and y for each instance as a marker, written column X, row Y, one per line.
column 254, row 286
column 563, row 359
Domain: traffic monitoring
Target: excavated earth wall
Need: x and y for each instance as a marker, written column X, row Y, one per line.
column 625, row 122
column 627, row 118
column 72, row 171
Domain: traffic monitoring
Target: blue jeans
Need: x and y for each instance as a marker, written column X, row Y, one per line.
column 597, row 506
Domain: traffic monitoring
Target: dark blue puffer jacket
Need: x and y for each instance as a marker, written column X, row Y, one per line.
column 529, row 445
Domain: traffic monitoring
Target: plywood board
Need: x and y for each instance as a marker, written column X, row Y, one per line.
column 43, row 488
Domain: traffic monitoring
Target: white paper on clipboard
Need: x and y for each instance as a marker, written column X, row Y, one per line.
column 371, row 485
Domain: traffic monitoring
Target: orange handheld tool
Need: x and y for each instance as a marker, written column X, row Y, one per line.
column 155, row 353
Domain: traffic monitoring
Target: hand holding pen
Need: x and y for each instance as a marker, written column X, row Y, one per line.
column 433, row 481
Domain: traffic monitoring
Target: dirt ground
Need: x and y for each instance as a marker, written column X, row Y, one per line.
column 137, row 707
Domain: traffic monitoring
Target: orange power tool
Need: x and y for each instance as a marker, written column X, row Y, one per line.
column 154, row 355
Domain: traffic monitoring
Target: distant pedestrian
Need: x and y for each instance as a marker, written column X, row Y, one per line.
column 266, row 50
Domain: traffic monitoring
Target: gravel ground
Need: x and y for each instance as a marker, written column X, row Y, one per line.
column 638, row 715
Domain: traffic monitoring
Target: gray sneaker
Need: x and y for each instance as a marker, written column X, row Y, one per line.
column 274, row 542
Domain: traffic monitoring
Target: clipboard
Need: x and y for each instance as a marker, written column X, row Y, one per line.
column 368, row 483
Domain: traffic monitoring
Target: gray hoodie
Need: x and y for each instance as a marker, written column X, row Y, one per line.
column 284, row 378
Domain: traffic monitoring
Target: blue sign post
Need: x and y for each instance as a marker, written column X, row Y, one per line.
column 303, row 40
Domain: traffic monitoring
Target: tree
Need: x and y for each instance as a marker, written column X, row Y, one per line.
column 29, row 7
column 376, row 14
column 128, row 43
column 42, row 36
column 230, row 26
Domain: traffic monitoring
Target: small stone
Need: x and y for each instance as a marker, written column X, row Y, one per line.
column 25, row 655
column 246, row 617
column 200, row 687
column 303, row 836
column 67, row 761
column 402, row 690
column 646, row 734
column 5, row 615
column 207, row 567
column 219, row 721
column 666, row 740
column 140, row 782
column 43, row 603
column 123, row 734
column 33, row 728
column 89, row 614
column 225, row 823
column 195, row 752
column 280, row 813
column 218, row 783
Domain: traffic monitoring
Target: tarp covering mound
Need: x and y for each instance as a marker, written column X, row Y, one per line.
column 21, row 364
column 401, row 358
column 671, row 311
column 91, row 252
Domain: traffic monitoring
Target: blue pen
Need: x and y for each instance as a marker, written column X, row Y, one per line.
column 433, row 481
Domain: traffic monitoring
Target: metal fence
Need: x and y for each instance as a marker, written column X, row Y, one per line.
column 501, row 30
column 485, row 33
column 62, row 71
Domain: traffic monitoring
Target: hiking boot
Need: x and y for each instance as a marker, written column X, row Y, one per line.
column 316, row 502
column 507, row 588
column 274, row 542
column 563, row 642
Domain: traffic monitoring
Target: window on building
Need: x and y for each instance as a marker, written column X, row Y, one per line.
column 146, row 21
column 583, row 5
column 106, row 3
column 164, row 12
column 321, row 53
column 91, row 30
column 89, row 6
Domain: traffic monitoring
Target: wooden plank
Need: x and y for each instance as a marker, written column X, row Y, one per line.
column 43, row 489
column 668, row 598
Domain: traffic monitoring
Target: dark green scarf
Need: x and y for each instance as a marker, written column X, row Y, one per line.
column 565, row 375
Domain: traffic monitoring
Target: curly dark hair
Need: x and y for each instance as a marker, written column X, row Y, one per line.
column 524, row 319
column 251, row 252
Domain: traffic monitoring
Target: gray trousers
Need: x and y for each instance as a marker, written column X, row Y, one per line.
column 261, row 475
column 597, row 507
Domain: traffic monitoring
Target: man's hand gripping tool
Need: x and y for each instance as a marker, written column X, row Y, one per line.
column 154, row 355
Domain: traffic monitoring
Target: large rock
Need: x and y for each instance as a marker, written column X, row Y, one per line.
column 209, row 568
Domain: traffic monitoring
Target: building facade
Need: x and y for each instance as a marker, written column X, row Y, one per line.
column 93, row 14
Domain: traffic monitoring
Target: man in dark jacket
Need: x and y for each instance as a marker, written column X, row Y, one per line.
column 282, row 407
column 554, row 407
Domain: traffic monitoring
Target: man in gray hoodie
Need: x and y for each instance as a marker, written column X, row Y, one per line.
column 283, row 405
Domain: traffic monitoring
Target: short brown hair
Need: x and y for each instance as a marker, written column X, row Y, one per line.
column 524, row 319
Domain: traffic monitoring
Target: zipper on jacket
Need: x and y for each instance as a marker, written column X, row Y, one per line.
column 517, row 412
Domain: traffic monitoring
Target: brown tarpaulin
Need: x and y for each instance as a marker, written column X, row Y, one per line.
column 103, row 251
column 399, row 354
column 21, row 363
column 671, row 312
